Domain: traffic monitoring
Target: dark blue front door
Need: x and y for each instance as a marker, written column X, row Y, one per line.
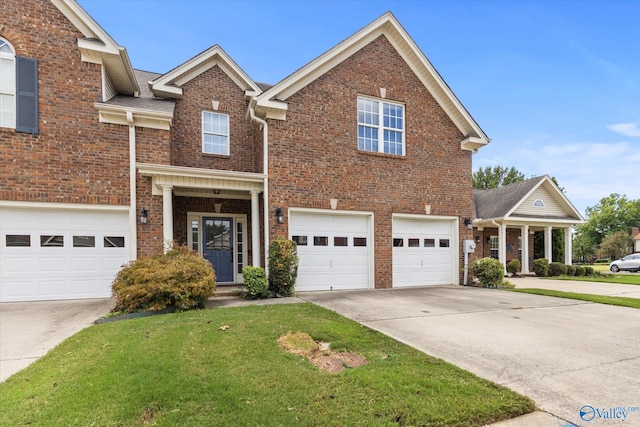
column 218, row 246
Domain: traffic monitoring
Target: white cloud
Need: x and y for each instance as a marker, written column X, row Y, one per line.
column 626, row 129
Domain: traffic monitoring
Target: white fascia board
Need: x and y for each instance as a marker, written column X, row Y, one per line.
column 147, row 169
column 473, row 143
column 169, row 83
column 116, row 114
column 68, row 206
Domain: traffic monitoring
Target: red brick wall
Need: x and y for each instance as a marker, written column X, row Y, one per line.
column 186, row 133
column 483, row 247
column 313, row 155
column 73, row 159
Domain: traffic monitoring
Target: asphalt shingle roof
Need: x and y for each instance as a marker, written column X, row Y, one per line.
column 146, row 100
column 497, row 202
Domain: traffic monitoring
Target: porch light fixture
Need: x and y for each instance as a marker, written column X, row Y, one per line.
column 143, row 216
column 468, row 223
column 477, row 239
column 279, row 216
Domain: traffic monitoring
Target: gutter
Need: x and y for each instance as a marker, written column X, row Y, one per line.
column 265, row 192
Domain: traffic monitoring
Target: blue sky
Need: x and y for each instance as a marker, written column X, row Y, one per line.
column 554, row 84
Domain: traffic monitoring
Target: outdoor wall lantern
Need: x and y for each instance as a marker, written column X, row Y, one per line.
column 279, row 216
column 477, row 239
column 468, row 223
column 143, row 216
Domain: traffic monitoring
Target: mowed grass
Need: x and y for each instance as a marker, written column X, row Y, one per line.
column 623, row 279
column 182, row 370
column 600, row 299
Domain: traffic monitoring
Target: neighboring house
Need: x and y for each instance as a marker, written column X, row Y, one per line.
column 363, row 157
column 506, row 218
column 635, row 236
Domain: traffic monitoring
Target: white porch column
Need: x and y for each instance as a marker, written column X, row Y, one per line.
column 568, row 256
column 524, row 232
column 167, row 216
column 255, row 228
column 502, row 245
column 548, row 243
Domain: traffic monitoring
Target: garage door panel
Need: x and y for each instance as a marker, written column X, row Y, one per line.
column 339, row 262
column 423, row 252
column 83, row 267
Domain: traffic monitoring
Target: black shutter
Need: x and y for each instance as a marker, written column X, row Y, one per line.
column 26, row 95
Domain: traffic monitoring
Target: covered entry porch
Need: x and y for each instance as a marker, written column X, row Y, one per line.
column 216, row 213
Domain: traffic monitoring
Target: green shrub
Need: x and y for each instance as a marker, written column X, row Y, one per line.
column 283, row 267
column 588, row 271
column 255, row 280
column 513, row 267
column 489, row 271
column 580, row 270
column 180, row 278
column 541, row 267
column 571, row 270
column 557, row 269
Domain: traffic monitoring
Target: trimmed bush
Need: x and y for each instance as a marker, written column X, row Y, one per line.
column 283, row 267
column 580, row 270
column 571, row 270
column 180, row 278
column 513, row 267
column 489, row 271
column 255, row 280
column 557, row 269
column 588, row 271
column 541, row 267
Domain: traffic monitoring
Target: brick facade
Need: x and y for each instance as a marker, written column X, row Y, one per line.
column 313, row 154
column 73, row 158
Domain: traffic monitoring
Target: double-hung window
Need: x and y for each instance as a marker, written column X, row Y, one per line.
column 18, row 90
column 380, row 126
column 215, row 133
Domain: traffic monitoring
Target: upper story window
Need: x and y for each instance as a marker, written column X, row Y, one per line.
column 7, row 85
column 18, row 90
column 215, row 133
column 380, row 126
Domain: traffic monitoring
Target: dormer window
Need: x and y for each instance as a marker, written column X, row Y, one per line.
column 215, row 133
column 380, row 126
column 538, row 203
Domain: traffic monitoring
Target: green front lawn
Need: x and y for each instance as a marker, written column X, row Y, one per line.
column 183, row 370
column 624, row 279
column 601, row 299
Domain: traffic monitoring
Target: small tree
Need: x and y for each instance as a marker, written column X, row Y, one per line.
column 617, row 244
column 283, row 267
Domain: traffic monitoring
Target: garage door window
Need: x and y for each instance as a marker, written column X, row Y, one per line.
column 300, row 240
column 398, row 243
column 84, row 241
column 46, row 241
column 340, row 241
column 414, row 243
column 359, row 241
column 17, row 240
column 429, row 243
column 114, row 242
column 320, row 241
column 444, row 243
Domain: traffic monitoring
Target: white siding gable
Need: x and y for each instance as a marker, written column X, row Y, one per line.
column 531, row 206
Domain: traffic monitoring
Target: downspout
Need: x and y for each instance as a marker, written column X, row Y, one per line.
column 133, row 218
column 265, row 192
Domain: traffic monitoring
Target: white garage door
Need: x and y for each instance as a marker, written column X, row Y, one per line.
column 60, row 254
column 333, row 250
column 424, row 252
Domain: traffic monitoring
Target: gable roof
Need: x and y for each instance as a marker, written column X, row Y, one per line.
column 508, row 202
column 97, row 46
column 271, row 103
column 169, row 85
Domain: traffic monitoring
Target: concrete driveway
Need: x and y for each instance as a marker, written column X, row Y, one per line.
column 569, row 356
column 28, row 330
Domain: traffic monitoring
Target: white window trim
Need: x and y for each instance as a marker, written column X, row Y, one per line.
column 9, row 97
column 381, row 128
column 227, row 135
